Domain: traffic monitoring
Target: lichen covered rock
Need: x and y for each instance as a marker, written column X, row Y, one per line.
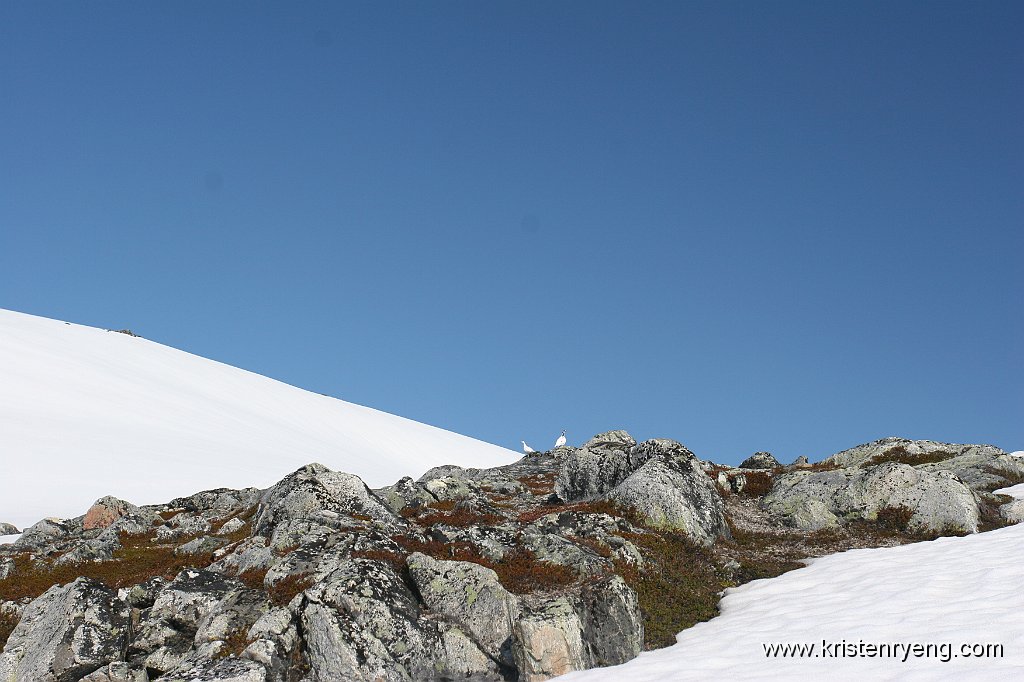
column 66, row 633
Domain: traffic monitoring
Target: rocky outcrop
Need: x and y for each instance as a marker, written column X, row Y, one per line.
column 513, row 573
column 314, row 501
column 661, row 480
column 596, row 468
column 105, row 511
column 937, row 500
column 66, row 633
column 981, row 467
column 471, row 596
column 760, row 460
column 556, row 635
column 180, row 618
column 8, row 529
column 670, row 490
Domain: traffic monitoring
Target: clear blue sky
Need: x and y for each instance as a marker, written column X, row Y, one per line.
column 788, row 226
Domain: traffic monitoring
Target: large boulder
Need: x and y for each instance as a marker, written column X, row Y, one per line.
column 938, row 500
column 558, row 634
column 66, row 633
column 8, row 529
column 361, row 622
column 42, row 534
column 105, row 511
column 471, row 596
column 671, row 491
column 316, row 496
column 981, row 467
column 594, row 469
column 760, row 460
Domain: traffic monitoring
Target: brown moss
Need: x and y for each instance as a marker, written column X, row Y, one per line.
column 8, row 622
column 900, row 454
column 677, row 587
column 396, row 559
column 539, row 485
column 896, row 518
column 589, row 507
column 137, row 560
column 459, row 517
column 284, row 590
column 758, row 483
column 234, row 644
column 253, row 578
column 521, row 572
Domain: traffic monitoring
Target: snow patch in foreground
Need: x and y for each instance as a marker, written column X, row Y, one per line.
column 85, row 413
column 952, row 590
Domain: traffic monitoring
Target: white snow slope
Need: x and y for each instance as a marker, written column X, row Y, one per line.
column 85, row 413
column 948, row 593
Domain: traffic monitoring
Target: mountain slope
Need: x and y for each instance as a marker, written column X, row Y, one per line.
column 85, row 412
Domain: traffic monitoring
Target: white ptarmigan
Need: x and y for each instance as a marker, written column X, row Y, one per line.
column 526, row 448
column 561, row 440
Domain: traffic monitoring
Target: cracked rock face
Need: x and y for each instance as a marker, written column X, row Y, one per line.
column 556, row 635
column 471, row 596
column 66, row 633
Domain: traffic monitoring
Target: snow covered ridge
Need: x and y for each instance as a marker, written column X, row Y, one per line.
column 86, row 412
column 560, row 562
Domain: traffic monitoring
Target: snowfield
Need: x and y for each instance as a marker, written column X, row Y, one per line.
column 952, row 592
column 85, row 413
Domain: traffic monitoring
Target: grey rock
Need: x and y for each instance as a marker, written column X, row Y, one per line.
column 215, row 504
column 273, row 639
column 471, row 596
column 938, row 499
column 238, row 611
column 360, row 624
column 8, row 529
column 1012, row 512
column 326, row 498
column 143, row 595
column 183, row 525
column 222, row 670
column 406, row 493
column 560, row 550
column 800, row 461
column 205, row 544
column 167, row 634
column 613, row 626
column 100, row 548
column 760, row 460
column 672, row 491
column 862, row 455
column 230, row 526
column 66, row 633
column 117, row 672
column 250, row 554
column 596, row 468
column 42, row 534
